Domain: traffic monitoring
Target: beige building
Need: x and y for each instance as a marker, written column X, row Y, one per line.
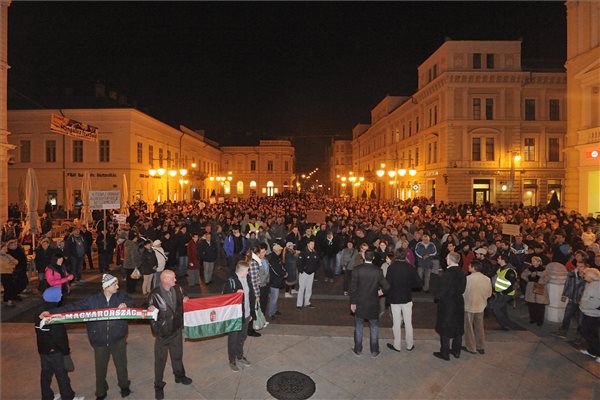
column 340, row 166
column 263, row 170
column 478, row 129
column 583, row 107
column 132, row 146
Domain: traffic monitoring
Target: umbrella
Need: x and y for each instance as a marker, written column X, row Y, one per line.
column 32, row 223
column 68, row 195
column 124, row 196
column 86, row 187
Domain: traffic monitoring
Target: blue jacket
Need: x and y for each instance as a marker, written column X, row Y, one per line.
column 101, row 333
column 228, row 246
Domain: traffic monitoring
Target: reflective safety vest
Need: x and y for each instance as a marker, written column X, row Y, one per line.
column 502, row 283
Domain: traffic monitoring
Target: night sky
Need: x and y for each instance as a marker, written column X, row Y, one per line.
column 245, row 71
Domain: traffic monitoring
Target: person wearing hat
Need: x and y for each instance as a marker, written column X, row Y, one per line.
column 487, row 268
column 53, row 347
column 290, row 262
column 106, row 337
column 43, row 254
column 148, row 265
column 161, row 259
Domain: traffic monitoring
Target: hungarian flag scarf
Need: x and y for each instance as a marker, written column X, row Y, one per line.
column 211, row 316
column 100, row 314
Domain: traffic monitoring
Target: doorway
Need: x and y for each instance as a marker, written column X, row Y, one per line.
column 481, row 191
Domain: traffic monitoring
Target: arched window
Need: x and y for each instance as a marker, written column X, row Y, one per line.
column 227, row 187
column 240, row 187
column 270, row 190
column 253, row 184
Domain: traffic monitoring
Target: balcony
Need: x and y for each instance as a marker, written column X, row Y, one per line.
column 587, row 136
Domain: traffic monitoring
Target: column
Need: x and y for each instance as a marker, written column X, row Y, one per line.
column 4, row 145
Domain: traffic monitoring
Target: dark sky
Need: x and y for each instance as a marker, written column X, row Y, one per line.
column 262, row 69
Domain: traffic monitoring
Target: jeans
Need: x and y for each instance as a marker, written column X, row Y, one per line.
column 571, row 310
column 104, row 259
column 54, row 365
column 338, row 265
column 273, row 297
column 347, row 279
column 373, row 332
column 500, row 308
column 474, row 331
column 182, row 267
column 425, row 275
column 235, row 341
column 329, row 266
column 76, row 265
column 305, row 289
column 209, row 267
column 118, row 351
column 402, row 312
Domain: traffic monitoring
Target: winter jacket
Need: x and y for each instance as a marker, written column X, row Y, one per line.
column 233, row 284
column 169, row 319
column 51, row 338
column 532, row 276
column 193, row 255
column 574, row 285
column 208, row 251
column 590, row 300
column 347, row 258
column 276, row 271
column 42, row 258
column 229, row 246
column 308, row 261
column 161, row 258
column 101, row 333
column 402, row 278
column 132, row 255
column 148, row 261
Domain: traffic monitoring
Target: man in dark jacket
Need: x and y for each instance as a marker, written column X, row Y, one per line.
column 328, row 249
column 87, row 241
column 53, row 346
column 451, row 309
column 240, row 282
column 208, row 254
column 308, row 264
column 106, row 337
column 75, row 251
column 168, row 298
column 403, row 278
column 572, row 292
column 365, row 288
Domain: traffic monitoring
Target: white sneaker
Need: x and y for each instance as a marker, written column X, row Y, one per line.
column 598, row 360
column 79, row 398
column 57, row 397
column 287, row 295
column 294, row 291
column 587, row 353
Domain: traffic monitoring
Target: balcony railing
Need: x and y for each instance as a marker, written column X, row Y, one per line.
column 591, row 135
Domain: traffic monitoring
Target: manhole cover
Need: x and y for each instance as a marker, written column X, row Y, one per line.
column 291, row 385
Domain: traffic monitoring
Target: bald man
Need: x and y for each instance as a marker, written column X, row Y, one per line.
column 168, row 298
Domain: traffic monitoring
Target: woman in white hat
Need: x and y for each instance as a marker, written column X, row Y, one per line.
column 290, row 259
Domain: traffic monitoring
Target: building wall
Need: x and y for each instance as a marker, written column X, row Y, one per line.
column 5, row 147
column 126, row 129
column 583, row 98
column 438, row 125
column 340, row 164
column 262, row 170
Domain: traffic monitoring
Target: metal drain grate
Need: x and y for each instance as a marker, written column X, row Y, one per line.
column 291, row 385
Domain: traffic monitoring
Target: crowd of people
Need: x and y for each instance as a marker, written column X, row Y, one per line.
column 382, row 250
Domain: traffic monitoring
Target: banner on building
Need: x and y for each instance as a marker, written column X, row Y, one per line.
column 72, row 128
column 211, row 316
column 105, row 199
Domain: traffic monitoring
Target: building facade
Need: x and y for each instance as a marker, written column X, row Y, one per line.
column 152, row 160
column 583, row 107
column 263, row 170
column 5, row 146
column 478, row 129
column 340, row 166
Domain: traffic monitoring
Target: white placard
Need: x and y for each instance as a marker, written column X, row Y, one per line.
column 105, row 199
column 120, row 218
column 511, row 229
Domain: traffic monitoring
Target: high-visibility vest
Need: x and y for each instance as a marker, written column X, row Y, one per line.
column 501, row 282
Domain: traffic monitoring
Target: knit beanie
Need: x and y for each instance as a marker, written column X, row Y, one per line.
column 108, row 280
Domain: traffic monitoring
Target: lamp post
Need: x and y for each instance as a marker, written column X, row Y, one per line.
column 514, row 159
column 394, row 174
column 162, row 171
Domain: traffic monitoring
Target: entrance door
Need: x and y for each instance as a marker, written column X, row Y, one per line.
column 481, row 191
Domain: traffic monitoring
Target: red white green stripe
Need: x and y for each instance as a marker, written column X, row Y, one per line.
column 100, row 314
column 210, row 316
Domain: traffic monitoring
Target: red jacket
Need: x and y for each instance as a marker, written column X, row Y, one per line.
column 193, row 255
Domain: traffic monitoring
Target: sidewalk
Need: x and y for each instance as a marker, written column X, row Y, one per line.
column 517, row 365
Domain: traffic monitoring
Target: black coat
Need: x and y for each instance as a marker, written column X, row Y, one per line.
column 43, row 258
column 276, row 271
column 148, row 261
column 402, row 278
column 208, row 252
column 51, row 338
column 233, row 284
column 170, row 319
column 451, row 305
column 367, row 279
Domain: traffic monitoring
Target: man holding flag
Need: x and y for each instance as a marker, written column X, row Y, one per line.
column 168, row 298
column 240, row 282
column 107, row 337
